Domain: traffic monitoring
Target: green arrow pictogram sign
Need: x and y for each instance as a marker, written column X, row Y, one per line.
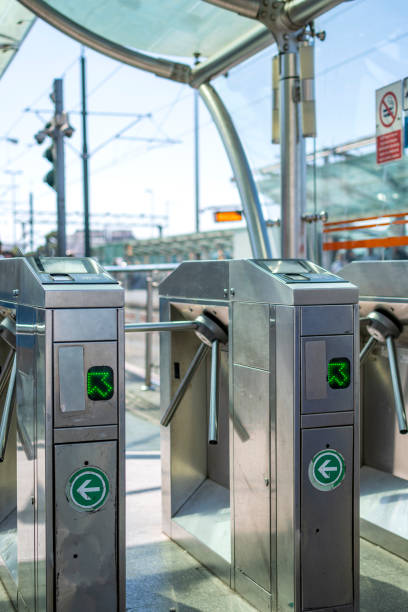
column 100, row 383
column 87, row 489
column 327, row 470
column 338, row 373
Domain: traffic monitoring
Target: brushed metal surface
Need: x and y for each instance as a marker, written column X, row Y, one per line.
column 249, row 330
column 252, row 475
column 41, row 417
column 314, row 374
column 84, row 296
column 206, row 515
column 315, row 361
column 207, row 280
column 85, row 575
column 378, row 278
column 65, row 435
column 218, row 455
column 81, row 324
column 189, row 425
column 71, row 378
column 8, row 499
column 26, row 464
column 166, row 381
column 327, row 419
column 384, row 504
column 325, row 320
column 384, row 448
column 121, row 464
column 287, row 481
column 326, row 537
column 103, row 412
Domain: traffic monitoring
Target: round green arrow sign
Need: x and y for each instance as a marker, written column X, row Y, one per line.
column 87, row 489
column 327, row 470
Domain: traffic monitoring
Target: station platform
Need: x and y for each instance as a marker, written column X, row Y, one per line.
column 162, row 577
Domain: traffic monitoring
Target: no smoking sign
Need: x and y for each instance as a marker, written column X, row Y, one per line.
column 389, row 123
column 388, row 109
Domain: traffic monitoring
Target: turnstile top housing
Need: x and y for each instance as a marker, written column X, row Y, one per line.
column 63, row 282
column 291, row 282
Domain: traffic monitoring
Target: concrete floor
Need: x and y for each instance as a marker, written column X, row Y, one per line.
column 163, row 577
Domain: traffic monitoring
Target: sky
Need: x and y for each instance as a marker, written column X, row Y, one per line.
column 366, row 47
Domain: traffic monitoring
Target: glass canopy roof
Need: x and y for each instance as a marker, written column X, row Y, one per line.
column 165, row 28
column 15, row 21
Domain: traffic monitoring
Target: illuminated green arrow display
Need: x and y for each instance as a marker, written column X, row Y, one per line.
column 338, row 373
column 100, row 384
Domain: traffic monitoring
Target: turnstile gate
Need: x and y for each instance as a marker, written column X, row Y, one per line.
column 260, row 462
column 62, row 493
column 383, row 289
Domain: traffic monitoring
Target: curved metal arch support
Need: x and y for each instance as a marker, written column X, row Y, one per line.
column 160, row 67
column 290, row 15
column 247, row 8
column 258, row 235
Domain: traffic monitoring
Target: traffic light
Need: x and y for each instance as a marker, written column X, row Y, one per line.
column 51, row 156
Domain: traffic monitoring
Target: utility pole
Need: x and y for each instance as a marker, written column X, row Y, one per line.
column 196, row 153
column 23, row 236
column 13, row 174
column 31, row 204
column 85, row 175
column 57, row 129
column 58, row 138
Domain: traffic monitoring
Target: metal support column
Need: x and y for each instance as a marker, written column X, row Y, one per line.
column 245, row 182
column 60, row 167
column 148, row 342
column 85, row 173
column 293, row 186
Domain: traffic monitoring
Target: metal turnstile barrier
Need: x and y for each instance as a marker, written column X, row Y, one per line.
column 62, row 530
column 260, row 441
column 383, row 289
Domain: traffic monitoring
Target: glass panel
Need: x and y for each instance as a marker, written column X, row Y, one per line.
column 15, row 22
column 179, row 28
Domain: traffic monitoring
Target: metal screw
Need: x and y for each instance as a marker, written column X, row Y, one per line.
column 232, row 291
column 16, row 291
column 266, row 482
column 226, row 292
column 32, row 501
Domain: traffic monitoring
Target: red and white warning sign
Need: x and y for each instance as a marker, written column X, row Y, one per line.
column 388, row 101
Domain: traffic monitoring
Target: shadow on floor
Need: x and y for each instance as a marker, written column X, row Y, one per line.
column 379, row 596
column 163, row 577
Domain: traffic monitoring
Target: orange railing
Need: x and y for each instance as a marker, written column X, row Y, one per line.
column 362, row 223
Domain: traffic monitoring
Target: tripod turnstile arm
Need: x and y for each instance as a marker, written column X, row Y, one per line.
column 213, row 414
column 367, row 348
column 194, row 365
column 161, row 326
column 7, row 409
column 396, row 385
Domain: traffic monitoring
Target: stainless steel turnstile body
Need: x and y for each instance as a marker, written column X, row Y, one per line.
column 383, row 286
column 273, row 507
column 62, row 480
